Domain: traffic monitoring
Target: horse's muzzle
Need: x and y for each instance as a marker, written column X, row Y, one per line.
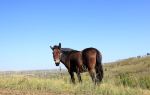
column 57, row 64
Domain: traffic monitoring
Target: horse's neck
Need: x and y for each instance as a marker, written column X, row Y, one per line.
column 64, row 59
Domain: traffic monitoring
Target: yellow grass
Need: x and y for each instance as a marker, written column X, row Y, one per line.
column 127, row 77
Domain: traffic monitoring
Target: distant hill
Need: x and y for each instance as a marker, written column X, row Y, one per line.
column 136, row 66
column 34, row 73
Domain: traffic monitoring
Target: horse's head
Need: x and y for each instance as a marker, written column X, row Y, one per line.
column 56, row 53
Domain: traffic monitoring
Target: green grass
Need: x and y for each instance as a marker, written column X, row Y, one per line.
column 62, row 86
column 126, row 77
column 134, row 81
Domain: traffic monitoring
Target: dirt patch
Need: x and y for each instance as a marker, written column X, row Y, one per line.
column 19, row 92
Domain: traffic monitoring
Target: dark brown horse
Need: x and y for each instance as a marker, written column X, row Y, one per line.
column 79, row 61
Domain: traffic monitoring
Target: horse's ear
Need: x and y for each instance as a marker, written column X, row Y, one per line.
column 51, row 47
column 59, row 45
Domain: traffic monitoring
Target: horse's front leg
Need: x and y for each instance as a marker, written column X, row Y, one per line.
column 79, row 76
column 72, row 77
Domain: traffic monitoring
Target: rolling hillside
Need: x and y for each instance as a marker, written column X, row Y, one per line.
column 124, row 77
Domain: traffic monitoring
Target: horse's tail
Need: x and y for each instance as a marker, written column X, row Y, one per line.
column 99, row 67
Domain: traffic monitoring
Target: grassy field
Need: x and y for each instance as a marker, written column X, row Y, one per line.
column 125, row 77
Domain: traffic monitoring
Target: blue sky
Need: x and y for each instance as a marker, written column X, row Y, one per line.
column 118, row 28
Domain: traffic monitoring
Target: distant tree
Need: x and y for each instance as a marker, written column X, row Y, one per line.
column 138, row 56
column 148, row 54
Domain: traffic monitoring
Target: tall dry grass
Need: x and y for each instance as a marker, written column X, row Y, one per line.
column 126, row 77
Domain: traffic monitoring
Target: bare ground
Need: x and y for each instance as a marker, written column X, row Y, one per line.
column 19, row 92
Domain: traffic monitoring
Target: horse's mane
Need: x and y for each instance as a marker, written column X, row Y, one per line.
column 68, row 50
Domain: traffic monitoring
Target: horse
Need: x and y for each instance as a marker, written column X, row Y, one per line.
column 89, row 59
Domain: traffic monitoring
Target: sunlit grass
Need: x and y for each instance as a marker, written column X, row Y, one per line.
column 124, row 78
column 61, row 86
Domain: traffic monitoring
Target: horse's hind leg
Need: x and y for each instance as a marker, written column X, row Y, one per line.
column 99, row 74
column 93, row 75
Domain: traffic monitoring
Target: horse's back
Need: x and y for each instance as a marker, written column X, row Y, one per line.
column 90, row 52
column 74, row 55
